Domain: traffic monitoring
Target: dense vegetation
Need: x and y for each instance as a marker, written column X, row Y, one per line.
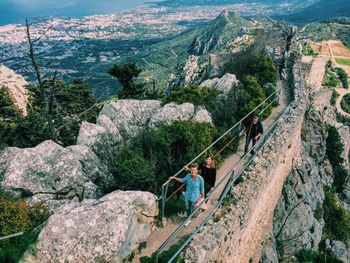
column 343, row 76
column 345, row 103
column 156, row 154
column 310, row 256
column 69, row 104
column 9, row 118
column 337, row 219
column 18, row 216
column 334, row 151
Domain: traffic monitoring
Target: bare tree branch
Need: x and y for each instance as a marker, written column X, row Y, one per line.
column 285, row 220
column 43, row 34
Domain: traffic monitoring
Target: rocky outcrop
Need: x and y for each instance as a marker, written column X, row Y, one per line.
column 16, row 86
column 173, row 112
column 129, row 116
column 187, row 74
column 104, row 230
column 223, row 84
column 51, row 172
column 122, row 120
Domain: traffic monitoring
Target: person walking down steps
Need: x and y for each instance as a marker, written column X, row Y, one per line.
column 194, row 189
column 208, row 172
column 253, row 129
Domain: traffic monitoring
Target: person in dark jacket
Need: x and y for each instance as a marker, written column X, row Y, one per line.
column 253, row 129
column 208, row 172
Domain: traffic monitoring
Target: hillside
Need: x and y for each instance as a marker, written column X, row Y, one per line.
column 160, row 60
column 222, row 2
column 322, row 10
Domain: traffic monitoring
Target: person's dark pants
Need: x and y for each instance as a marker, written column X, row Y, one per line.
column 189, row 207
column 247, row 142
column 207, row 188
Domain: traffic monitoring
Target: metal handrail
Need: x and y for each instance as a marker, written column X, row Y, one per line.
column 165, row 186
column 11, row 236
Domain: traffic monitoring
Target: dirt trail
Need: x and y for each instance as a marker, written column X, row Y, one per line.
column 161, row 234
column 342, row 92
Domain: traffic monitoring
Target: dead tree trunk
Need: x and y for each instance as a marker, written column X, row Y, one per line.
column 47, row 100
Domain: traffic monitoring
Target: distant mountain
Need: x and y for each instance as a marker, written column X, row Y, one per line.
column 161, row 60
column 322, row 10
column 219, row 32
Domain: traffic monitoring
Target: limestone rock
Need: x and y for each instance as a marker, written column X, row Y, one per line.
column 340, row 251
column 130, row 116
column 103, row 230
column 102, row 139
column 202, row 116
column 51, row 170
column 172, row 112
column 16, row 86
column 224, row 84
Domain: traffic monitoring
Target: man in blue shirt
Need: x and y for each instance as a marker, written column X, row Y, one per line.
column 194, row 188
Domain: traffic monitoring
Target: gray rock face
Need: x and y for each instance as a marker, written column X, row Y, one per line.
column 224, row 84
column 173, row 112
column 53, row 171
column 103, row 230
column 340, row 251
column 129, row 116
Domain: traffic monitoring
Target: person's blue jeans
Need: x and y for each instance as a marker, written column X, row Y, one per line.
column 247, row 142
column 189, row 206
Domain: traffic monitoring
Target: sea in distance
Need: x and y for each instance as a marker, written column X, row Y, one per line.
column 15, row 11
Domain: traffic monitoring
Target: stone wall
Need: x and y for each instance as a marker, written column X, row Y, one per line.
column 239, row 229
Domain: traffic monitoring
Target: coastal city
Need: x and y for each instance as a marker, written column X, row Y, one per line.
column 72, row 45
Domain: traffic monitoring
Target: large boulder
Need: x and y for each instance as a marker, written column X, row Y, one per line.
column 224, row 84
column 173, row 112
column 101, row 138
column 130, row 116
column 53, row 172
column 104, row 230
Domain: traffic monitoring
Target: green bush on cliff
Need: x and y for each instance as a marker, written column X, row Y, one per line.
column 10, row 116
column 334, row 151
column 193, row 94
column 345, row 103
column 310, row 256
column 343, row 76
column 337, row 219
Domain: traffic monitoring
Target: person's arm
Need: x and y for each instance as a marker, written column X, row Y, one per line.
column 213, row 179
column 260, row 131
column 202, row 188
column 181, row 180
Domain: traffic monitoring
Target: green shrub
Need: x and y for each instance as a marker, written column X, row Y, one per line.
column 156, row 154
column 337, row 219
column 330, row 79
column 345, row 103
column 18, row 216
column 194, row 95
column 261, row 67
column 343, row 76
column 10, row 116
column 310, row 256
column 334, row 151
column 334, row 97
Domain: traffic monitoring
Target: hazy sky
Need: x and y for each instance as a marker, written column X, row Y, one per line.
column 15, row 11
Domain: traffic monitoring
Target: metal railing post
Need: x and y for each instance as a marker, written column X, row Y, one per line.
column 163, row 205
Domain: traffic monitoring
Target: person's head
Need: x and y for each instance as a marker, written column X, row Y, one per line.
column 255, row 118
column 209, row 162
column 194, row 169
